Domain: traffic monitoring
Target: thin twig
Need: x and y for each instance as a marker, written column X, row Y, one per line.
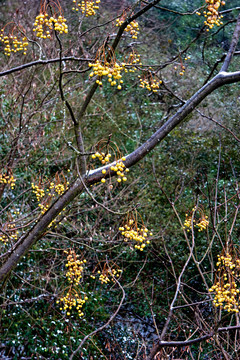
column 103, row 326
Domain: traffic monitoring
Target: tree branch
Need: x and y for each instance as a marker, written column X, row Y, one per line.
column 77, row 127
column 189, row 342
column 42, row 62
column 232, row 47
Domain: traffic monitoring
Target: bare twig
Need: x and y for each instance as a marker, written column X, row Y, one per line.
column 42, row 62
column 103, row 326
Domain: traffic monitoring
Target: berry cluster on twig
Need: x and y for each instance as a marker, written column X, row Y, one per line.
column 86, row 7
column 134, row 232
column 106, row 65
column 13, row 38
column 108, row 273
column 44, row 24
column 132, row 28
column 150, row 82
column 212, row 13
column 200, row 220
column 73, row 299
column 45, row 194
column 226, row 293
column 103, row 154
column 8, row 179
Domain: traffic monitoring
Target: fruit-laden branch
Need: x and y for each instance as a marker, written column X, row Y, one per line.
column 73, row 58
column 93, row 177
column 24, row 243
column 40, row 228
column 78, row 125
column 114, row 46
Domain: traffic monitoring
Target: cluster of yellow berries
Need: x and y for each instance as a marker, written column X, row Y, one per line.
column 101, row 156
column 4, row 238
column 106, row 65
column 133, row 59
column 86, row 7
column 187, row 222
column 8, row 179
column 44, row 25
column 74, row 275
column 132, row 28
column 58, row 188
column 119, row 169
column 38, row 191
column 103, row 278
column 75, row 267
column 107, row 274
column 212, row 14
column 111, row 70
column 72, row 300
column 12, row 234
column 226, row 294
column 228, row 262
column 131, row 231
column 201, row 223
column 150, row 84
column 53, row 190
column 13, row 43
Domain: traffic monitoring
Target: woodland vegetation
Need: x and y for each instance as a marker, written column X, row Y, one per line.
column 119, row 179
